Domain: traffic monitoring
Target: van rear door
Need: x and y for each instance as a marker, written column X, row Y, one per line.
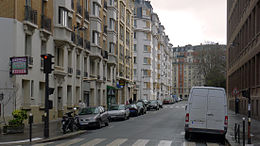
column 216, row 109
column 198, row 108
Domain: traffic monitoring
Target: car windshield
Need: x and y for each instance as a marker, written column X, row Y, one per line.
column 121, row 107
column 139, row 103
column 114, row 107
column 88, row 111
column 153, row 102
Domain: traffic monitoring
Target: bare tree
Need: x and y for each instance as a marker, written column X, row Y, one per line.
column 211, row 60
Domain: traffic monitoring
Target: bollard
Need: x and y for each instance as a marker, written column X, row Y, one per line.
column 238, row 133
column 30, row 123
column 235, row 131
column 244, row 131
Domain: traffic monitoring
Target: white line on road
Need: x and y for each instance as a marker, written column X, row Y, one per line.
column 117, row 142
column 73, row 141
column 20, row 141
column 141, row 142
column 189, row 144
column 165, row 143
column 43, row 144
column 93, row 142
column 212, row 144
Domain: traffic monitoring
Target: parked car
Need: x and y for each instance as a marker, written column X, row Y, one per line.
column 206, row 111
column 153, row 104
column 168, row 101
column 93, row 117
column 134, row 110
column 118, row 112
column 160, row 103
column 142, row 107
column 145, row 102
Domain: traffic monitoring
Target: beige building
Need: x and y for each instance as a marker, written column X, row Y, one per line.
column 243, row 54
column 84, row 38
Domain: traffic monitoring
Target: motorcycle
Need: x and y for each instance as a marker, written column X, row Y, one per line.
column 69, row 122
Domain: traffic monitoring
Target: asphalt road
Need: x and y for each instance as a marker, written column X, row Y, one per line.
column 156, row 128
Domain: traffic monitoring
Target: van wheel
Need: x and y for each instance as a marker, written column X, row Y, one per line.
column 187, row 135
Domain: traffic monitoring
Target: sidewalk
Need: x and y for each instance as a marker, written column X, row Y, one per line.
column 37, row 134
column 237, row 118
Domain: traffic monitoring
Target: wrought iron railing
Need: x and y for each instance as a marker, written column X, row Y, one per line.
column 30, row 14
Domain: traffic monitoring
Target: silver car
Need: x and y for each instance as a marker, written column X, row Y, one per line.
column 92, row 117
column 118, row 112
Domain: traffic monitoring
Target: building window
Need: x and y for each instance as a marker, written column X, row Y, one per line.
column 43, row 47
column 135, row 35
column 122, row 11
column 59, row 56
column 134, row 72
column 112, row 24
column 28, row 45
column 111, row 2
column 135, row 23
column 128, row 38
column 134, row 60
column 32, row 87
column 28, row 3
column 111, row 47
column 95, row 37
column 122, row 34
column 63, row 17
column 134, row 47
column 95, row 9
column 69, row 95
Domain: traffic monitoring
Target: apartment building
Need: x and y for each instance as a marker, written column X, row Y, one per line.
column 152, row 66
column 243, row 53
column 27, row 29
column 83, row 37
column 124, row 50
column 185, row 71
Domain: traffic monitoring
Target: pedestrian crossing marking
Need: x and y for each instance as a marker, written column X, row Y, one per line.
column 43, row 144
column 212, row 144
column 93, row 142
column 73, row 141
column 117, row 142
column 165, row 143
column 141, row 142
column 189, row 144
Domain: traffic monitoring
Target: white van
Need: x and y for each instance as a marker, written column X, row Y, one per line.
column 206, row 111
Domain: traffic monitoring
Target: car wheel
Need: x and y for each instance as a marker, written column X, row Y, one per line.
column 99, row 124
column 107, row 123
column 187, row 135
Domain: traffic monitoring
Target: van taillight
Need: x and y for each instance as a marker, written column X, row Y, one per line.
column 187, row 118
column 226, row 120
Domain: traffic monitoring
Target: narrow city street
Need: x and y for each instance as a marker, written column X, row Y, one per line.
column 163, row 128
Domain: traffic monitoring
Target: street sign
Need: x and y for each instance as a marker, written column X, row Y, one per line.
column 235, row 92
column 19, row 65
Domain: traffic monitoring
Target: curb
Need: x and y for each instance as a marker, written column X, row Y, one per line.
column 59, row 137
column 51, row 139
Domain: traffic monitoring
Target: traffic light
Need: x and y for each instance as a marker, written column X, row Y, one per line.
column 47, row 58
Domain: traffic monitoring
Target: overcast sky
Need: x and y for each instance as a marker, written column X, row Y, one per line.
column 192, row 21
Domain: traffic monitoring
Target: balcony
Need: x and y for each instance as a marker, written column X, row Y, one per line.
column 46, row 23
column 112, row 59
column 30, row 15
column 95, row 52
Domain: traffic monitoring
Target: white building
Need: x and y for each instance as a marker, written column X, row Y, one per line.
column 152, row 54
